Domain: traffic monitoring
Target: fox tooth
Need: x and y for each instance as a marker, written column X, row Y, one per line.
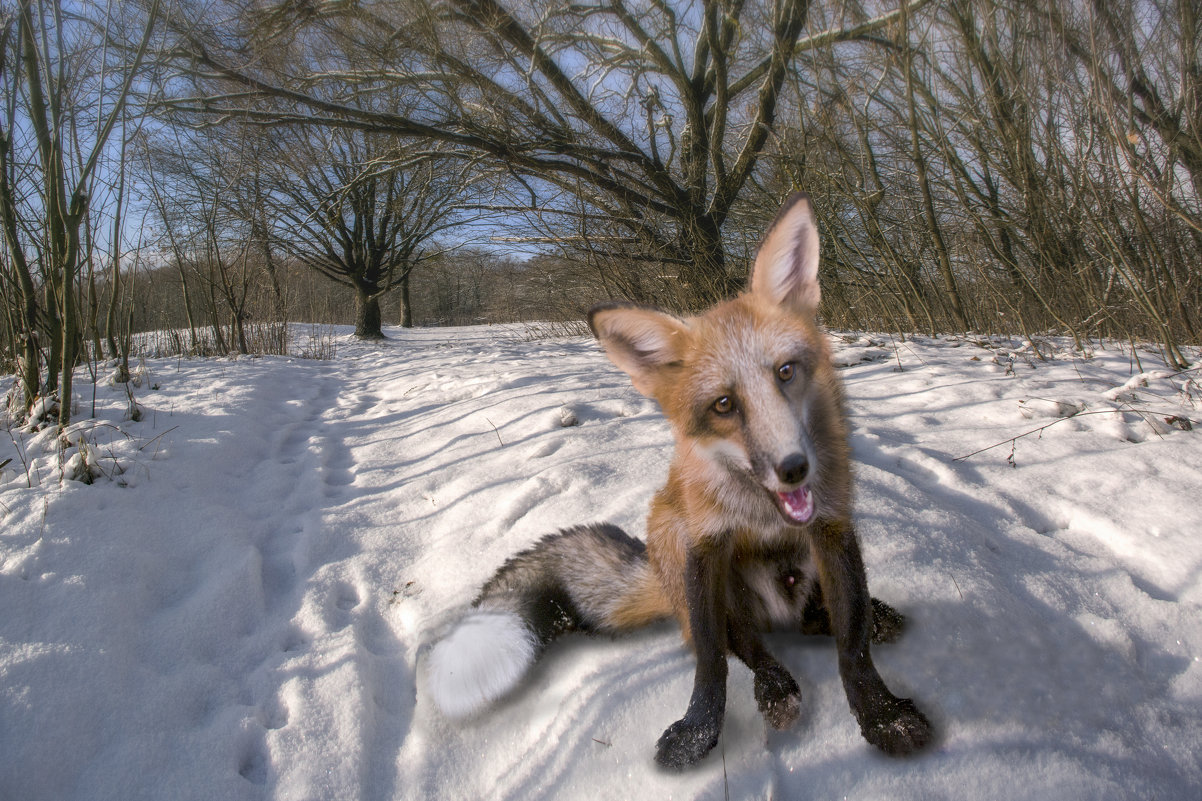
column 798, row 504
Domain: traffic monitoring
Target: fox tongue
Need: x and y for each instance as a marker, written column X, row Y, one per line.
column 798, row 504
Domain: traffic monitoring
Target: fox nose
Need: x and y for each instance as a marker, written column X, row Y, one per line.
column 793, row 469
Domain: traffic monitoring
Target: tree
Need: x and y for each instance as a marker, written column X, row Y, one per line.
column 647, row 122
column 64, row 102
column 357, row 209
column 197, row 182
column 1026, row 162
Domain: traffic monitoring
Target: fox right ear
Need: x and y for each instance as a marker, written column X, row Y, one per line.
column 642, row 341
column 786, row 266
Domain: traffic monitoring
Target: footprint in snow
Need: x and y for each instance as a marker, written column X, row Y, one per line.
column 252, row 756
column 1031, row 408
column 544, row 449
column 347, row 598
column 533, row 492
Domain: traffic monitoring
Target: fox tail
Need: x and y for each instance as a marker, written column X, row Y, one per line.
column 592, row 578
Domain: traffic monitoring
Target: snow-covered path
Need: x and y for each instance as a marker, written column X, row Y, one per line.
column 247, row 617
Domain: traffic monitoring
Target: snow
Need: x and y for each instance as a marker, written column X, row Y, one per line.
column 241, row 604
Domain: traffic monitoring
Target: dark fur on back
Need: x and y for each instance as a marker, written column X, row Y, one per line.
column 567, row 581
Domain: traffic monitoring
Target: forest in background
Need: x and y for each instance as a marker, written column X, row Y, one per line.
column 222, row 168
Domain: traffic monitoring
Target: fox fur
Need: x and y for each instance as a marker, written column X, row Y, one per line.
column 752, row 530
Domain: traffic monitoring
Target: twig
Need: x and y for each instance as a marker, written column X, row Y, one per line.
column 1140, row 412
column 725, row 779
column 498, row 433
column 21, row 454
column 156, row 439
column 1184, row 371
column 1014, row 439
column 896, row 353
column 100, row 424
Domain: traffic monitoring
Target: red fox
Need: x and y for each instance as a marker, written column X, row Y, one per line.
column 753, row 529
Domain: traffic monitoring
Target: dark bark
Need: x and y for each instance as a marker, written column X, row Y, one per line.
column 368, row 320
column 406, row 302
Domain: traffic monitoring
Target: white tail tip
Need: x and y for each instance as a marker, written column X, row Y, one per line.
column 482, row 659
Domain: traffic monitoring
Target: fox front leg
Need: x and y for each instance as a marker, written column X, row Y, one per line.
column 892, row 724
column 689, row 739
column 776, row 691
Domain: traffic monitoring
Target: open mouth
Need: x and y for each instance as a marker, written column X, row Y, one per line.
column 797, row 506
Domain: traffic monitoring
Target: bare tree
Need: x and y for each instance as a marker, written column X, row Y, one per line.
column 197, row 180
column 70, row 99
column 993, row 164
column 650, row 118
column 1031, row 160
column 358, row 209
column 22, row 306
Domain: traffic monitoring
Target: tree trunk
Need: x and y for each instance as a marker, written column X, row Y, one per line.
column 950, row 290
column 406, row 304
column 215, row 319
column 54, row 338
column 30, row 354
column 239, row 326
column 194, row 339
column 704, row 277
column 110, row 317
column 30, row 363
column 68, row 260
column 367, row 315
column 93, row 326
column 260, row 232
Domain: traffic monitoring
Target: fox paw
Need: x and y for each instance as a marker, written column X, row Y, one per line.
column 897, row 727
column 685, row 742
column 778, row 696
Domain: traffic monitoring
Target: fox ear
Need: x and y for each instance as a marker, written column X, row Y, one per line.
column 642, row 341
column 786, row 266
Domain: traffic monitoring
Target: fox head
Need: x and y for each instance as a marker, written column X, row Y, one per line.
column 748, row 385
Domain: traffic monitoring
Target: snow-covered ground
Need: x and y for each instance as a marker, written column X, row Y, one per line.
column 240, row 604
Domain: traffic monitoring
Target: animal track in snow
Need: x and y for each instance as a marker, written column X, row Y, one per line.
column 294, row 640
column 546, row 448
column 274, row 715
column 533, row 492
column 337, row 467
column 252, row 755
column 348, row 598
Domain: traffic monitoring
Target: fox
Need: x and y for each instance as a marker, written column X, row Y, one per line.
column 752, row 531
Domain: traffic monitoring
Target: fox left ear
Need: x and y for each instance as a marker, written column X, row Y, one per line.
column 644, row 342
column 786, row 266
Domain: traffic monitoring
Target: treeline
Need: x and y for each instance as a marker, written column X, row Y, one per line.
column 1007, row 166
column 466, row 287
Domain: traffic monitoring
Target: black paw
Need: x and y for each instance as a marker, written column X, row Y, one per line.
column 685, row 742
column 896, row 727
column 887, row 622
column 778, row 696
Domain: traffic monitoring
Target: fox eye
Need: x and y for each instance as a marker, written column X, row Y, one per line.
column 723, row 405
column 786, row 372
